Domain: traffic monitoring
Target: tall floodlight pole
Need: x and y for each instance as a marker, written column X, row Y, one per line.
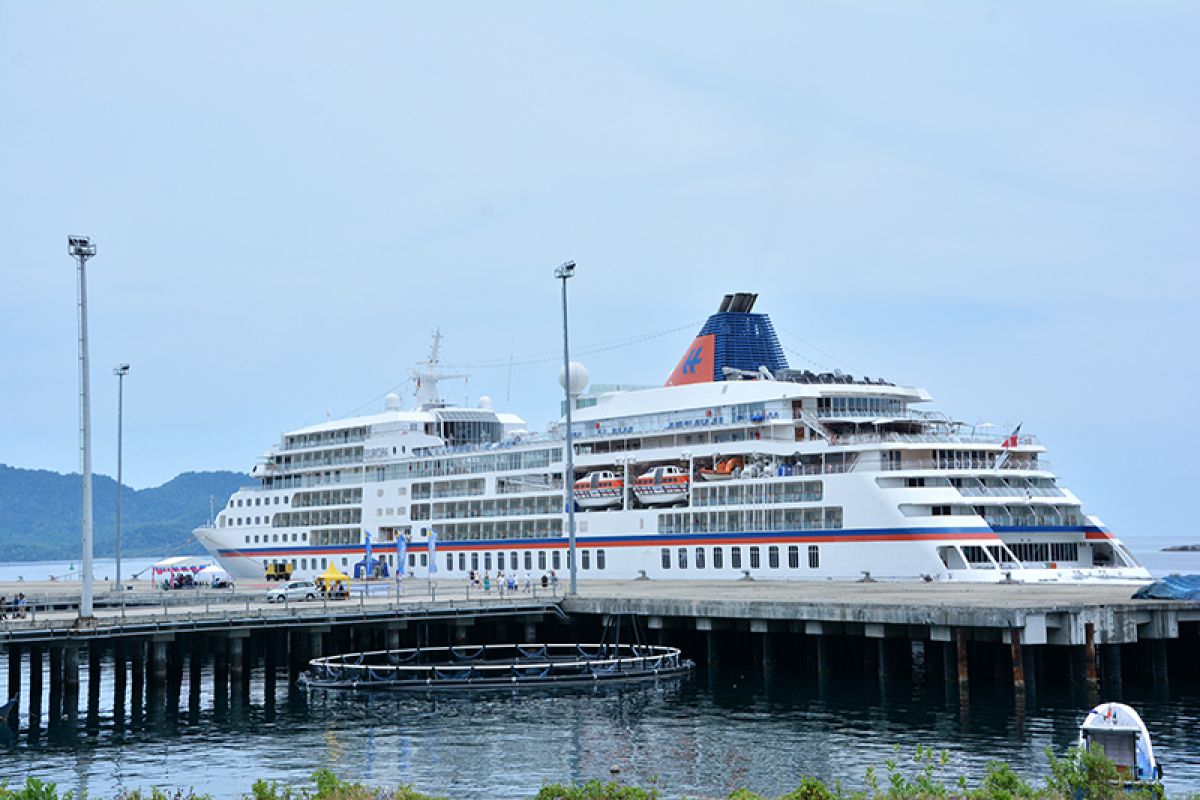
column 81, row 248
column 567, row 270
column 121, row 371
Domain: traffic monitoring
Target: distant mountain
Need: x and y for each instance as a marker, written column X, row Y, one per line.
column 40, row 513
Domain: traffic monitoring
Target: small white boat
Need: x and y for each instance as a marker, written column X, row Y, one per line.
column 600, row 489
column 1119, row 732
column 662, row 486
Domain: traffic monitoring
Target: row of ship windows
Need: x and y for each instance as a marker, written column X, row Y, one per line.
column 554, row 559
column 735, row 557
column 773, row 519
column 258, row 501
column 523, row 529
column 279, row 537
column 759, row 493
column 494, row 462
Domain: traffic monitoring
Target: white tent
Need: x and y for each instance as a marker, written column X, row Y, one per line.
column 213, row 573
column 168, row 568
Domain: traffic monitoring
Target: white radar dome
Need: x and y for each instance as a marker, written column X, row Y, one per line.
column 392, row 402
column 579, row 379
column 485, row 402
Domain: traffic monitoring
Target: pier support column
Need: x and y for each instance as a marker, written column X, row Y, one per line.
column 531, row 633
column 1110, row 663
column 220, row 671
column 236, row 667
column 1089, row 661
column 963, row 667
column 918, row 661
column 1018, row 663
column 1158, row 665
column 393, row 638
column 120, row 681
column 55, row 701
column 71, row 682
column 768, row 653
column 712, row 649
column 270, row 654
column 158, row 651
column 93, row 698
column 137, row 682
column 13, row 653
column 35, row 687
column 195, row 671
column 315, row 649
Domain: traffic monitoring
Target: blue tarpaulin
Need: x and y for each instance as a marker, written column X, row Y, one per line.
column 1172, row 587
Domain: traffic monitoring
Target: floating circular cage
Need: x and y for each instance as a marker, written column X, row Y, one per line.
column 494, row 666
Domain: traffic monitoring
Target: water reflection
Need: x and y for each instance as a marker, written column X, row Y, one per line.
column 702, row 735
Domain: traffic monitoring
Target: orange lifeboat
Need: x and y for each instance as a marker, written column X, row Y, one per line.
column 662, row 486
column 725, row 469
column 599, row 490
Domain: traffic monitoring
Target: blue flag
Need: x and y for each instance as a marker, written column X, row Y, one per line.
column 432, row 551
column 401, row 555
column 367, row 547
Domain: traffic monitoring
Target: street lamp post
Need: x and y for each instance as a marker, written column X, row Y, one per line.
column 121, row 371
column 567, row 270
column 81, row 248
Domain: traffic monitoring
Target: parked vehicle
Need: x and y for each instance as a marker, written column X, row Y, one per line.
column 296, row 590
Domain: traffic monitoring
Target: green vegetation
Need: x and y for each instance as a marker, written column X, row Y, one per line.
column 1079, row 775
column 39, row 513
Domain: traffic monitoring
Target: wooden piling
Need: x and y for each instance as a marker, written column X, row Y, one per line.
column 964, row 673
column 137, row 678
column 93, row 695
column 1089, row 658
column 1110, row 671
column 1018, row 662
column 120, row 680
column 55, row 700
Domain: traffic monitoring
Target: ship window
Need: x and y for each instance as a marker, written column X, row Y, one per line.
column 683, row 558
column 940, row 511
column 718, row 557
column 256, row 538
column 295, row 537
column 699, row 558
column 754, row 558
column 285, row 501
column 556, row 559
column 247, row 540
column 258, row 501
column 541, row 559
column 304, row 563
column 529, row 560
column 276, row 500
column 324, row 563
column 475, row 561
column 412, row 559
column 449, row 562
column 666, row 558
column 793, row 556
column 343, row 562
column 424, row 559
column 599, row 559
column 735, row 557
column 773, row 557
column 814, row 556
column 304, row 537
column 586, row 560
column 512, row 561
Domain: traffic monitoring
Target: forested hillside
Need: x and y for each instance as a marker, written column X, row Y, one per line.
column 40, row 513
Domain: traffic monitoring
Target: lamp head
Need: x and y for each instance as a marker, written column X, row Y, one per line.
column 121, row 370
column 565, row 270
column 80, row 246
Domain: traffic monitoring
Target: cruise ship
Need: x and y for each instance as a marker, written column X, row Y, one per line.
column 739, row 466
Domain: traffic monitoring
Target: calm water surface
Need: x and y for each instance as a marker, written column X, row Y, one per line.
column 702, row 735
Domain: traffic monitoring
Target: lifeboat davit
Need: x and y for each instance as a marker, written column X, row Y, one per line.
column 661, row 486
column 724, row 471
column 599, row 490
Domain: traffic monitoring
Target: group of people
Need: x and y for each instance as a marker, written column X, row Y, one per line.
column 509, row 583
column 16, row 608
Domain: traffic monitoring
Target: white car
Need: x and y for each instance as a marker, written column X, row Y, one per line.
column 295, row 590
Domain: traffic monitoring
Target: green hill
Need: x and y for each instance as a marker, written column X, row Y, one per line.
column 40, row 513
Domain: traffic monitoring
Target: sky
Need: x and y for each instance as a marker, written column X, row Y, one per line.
column 995, row 201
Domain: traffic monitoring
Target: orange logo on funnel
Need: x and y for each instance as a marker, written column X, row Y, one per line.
column 696, row 366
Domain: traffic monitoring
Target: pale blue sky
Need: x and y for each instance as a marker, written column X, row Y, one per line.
column 997, row 201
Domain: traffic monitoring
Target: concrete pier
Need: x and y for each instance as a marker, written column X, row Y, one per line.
column 1009, row 636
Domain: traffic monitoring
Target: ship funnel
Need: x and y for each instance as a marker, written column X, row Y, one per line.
column 735, row 340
